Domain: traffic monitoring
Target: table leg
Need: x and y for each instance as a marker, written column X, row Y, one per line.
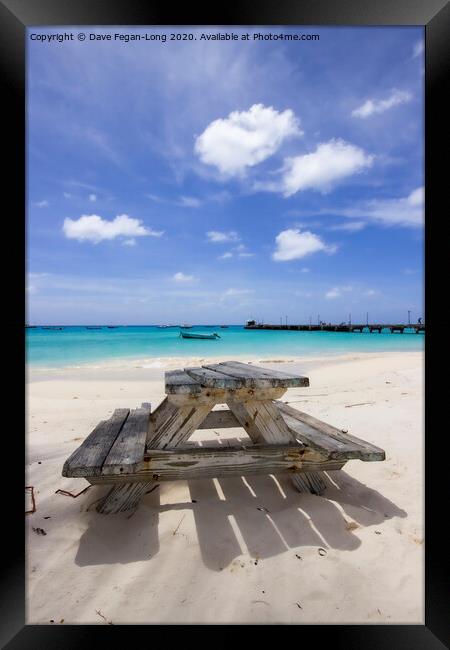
column 123, row 497
column 263, row 423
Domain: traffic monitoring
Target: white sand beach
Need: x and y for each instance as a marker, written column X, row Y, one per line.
column 232, row 550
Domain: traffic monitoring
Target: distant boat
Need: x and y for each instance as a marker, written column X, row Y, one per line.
column 186, row 327
column 189, row 335
column 250, row 322
column 48, row 327
column 111, row 327
column 30, row 326
column 223, row 327
column 93, row 327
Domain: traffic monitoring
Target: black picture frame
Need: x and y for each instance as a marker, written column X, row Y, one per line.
column 434, row 15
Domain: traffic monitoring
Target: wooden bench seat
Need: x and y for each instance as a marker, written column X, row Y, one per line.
column 116, row 445
column 335, row 443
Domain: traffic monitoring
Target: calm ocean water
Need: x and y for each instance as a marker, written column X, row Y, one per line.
column 78, row 345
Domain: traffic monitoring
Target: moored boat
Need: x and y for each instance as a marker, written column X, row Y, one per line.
column 189, row 335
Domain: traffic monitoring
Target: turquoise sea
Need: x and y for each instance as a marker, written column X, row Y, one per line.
column 78, row 345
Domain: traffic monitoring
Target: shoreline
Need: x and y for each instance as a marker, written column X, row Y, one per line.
column 159, row 364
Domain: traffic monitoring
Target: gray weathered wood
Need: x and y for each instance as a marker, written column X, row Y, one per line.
column 214, row 378
column 223, row 419
column 221, row 396
column 129, row 446
column 261, row 421
column 310, row 482
column 91, row 454
column 255, row 377
column 179, row 425
column 322, row 436
column 123, row 497
column 212, row 462
column 264, row 422
column 134, row 450
column 179, row 382
column 254, row 370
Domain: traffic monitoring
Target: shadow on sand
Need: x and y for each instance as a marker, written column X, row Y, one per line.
column 269, row 513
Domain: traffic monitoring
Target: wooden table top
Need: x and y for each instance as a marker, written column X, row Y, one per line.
column 228, row 375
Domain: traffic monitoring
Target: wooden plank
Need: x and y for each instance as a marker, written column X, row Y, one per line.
column 221, row 396
column 179, row 382
column 165, row 410
column 322, row 436
column 123, row 497
column 90, row 455
column 311, row 481
column 179, row 426
column 213, row 462
column 223, row 419
column 214, row 378
column 257, row 376
column 264, row 425
column 261, row 421
column 258, row 371
column 128, row 449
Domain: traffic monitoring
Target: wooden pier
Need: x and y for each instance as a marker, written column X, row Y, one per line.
column 371, row 327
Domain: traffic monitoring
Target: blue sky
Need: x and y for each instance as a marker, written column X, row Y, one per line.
column 214, row 181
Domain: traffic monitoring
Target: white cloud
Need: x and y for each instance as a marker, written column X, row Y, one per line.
column 292, row 244
column 225, row 256
column 336, row 292
column 242, row 251
column 95, row 229
column 182, row 277
column 351, row 226
column 235, row 293
column 372, row 106
column 370, row 292
column 245, row 138
column 41, row 204
column 407, row 211
column 129, row 242
column 189, row 202
column 216, row 236
column 92, row 198
column 67, row 195
column 304, row 270
column 330, row 163
column 418, row 49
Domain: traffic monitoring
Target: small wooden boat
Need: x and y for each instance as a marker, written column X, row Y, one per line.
column 189, row 335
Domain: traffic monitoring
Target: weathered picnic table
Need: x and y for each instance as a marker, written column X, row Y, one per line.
column 135, row 449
